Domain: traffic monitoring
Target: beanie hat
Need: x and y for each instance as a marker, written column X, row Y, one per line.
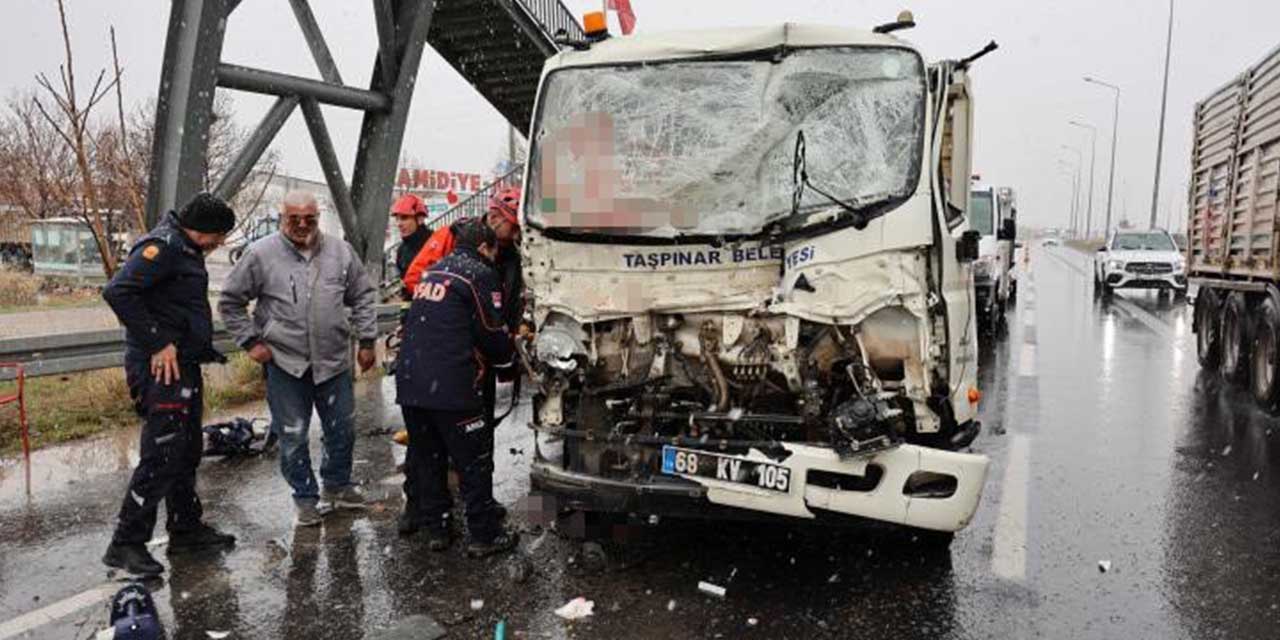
column 207, row 213
column 473, row 233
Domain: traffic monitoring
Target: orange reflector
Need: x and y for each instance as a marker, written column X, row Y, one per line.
column 974, row 395
column 593, row 23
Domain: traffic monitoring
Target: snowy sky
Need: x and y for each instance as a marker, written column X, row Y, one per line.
column 1025, row 93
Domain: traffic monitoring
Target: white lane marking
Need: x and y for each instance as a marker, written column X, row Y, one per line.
column 1027, row 360
column 1028, row 318
column 1141, row 315
column 1009, row 544
column 56, row 611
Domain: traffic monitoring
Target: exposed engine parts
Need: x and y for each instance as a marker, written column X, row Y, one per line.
column 735, row 378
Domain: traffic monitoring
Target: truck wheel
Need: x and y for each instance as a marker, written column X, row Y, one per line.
column 1235, row 338
column 1265, row 379
column 1208, row 331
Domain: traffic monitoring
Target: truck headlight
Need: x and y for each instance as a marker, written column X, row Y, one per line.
column 556, row 348
column 1179, row 265
column 1115, row 265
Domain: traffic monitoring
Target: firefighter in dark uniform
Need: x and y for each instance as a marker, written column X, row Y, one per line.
column 454, row 332
column 161, row 296
column 503, row 218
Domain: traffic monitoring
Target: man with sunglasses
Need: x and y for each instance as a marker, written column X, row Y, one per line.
column 312, row 294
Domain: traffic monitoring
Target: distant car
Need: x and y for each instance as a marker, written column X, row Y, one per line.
column 1050, row 242
column 1140, row 260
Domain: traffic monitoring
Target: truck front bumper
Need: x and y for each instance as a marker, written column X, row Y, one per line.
column 822, row 484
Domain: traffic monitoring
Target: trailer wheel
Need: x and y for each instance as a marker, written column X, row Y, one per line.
column 1265, row 379
column 1235, row 338
column 1208, row 334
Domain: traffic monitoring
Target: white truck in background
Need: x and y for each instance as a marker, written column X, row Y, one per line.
column 993, row 213
column 749, row 262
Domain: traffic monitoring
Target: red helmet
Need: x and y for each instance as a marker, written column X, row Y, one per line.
column 507, row 203
column 409, row 205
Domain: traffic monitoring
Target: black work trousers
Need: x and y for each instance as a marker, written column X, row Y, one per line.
column 436, row 439
column 169, row 453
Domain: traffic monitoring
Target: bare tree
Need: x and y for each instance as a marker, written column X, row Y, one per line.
column 71, row 120
column 126, row 167
column 56, row 158
column 37, row 171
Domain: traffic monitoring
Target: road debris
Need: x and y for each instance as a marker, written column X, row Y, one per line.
column 1104, row 565
column 710, row 589
column 751, row 622
column 477, row 604
column 217, row 635
column 1226, row 451
column 671, row 605
column 519, row 568
column 419, row 627
column 576, row 609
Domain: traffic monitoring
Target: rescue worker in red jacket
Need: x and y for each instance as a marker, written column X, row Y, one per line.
column 453, row 334
column 410, row 213
column 503, row 218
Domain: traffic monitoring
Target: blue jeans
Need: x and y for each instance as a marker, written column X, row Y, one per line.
column 291, row 400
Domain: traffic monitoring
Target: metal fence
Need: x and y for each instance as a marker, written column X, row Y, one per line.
column 554, row 17
column 104, row 349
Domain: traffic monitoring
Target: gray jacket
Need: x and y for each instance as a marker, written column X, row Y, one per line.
column 302, row 305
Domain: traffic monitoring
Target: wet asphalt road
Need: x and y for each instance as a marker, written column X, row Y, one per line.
column 1107, row 443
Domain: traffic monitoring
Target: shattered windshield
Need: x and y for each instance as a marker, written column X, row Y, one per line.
column 707, row 147
column 980, row 213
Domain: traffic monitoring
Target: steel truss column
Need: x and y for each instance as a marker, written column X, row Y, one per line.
column 184, row 107
column 382, row 132
column 254, row 148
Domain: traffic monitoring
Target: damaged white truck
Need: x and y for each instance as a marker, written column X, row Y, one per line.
column 749, row 267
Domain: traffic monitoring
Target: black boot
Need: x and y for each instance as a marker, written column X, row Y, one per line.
column 200, row 537
column 500, row 543
column 133, row 559
column 407, row 524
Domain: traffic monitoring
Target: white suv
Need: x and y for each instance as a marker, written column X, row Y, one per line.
column 1140, row 260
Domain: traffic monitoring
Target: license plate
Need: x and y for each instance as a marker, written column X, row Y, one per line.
column 703, row 464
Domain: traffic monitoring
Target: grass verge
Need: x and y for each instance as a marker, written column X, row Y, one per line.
column 62, row 408
column 20, row 291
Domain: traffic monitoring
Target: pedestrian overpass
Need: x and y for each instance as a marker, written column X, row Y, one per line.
column 498, row 46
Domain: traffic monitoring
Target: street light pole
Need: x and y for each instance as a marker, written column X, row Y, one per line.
column 1164, row 98
column 1115, row 130
column 1075, row 194
column 1075, row 188
column 1093, row 161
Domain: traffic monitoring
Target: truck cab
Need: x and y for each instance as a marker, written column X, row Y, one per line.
column 993, row 214
column 749, row 262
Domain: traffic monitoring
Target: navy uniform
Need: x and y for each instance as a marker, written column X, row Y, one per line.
column 160, row 295
column 453, row 333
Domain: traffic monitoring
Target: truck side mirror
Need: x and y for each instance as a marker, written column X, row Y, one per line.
column 1008, row 230
column 967, row 246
